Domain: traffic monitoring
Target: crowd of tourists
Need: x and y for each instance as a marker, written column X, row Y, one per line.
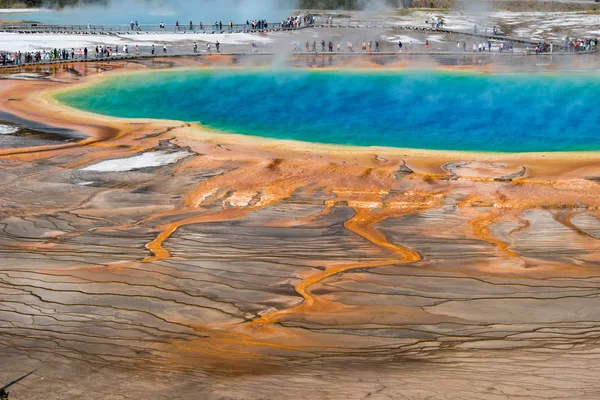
column 103, row 52
column 573, row 44
column 374, row 46
column 29, row 57
column 541, row 48
column 494, row 30
column 298, row 21
column 569, row 44
column 335, row 47
column 435, row 23
column 218, row 26
column 97, row 52
column 503, row 47
column 135, row 26
column 255, row 24
column 208, row 47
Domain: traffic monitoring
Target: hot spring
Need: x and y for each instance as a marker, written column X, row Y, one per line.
column 410, row 109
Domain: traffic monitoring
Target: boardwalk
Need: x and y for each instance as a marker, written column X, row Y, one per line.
column 307, row 55
column 180, row 39
column 121, row 29
column 236, row 28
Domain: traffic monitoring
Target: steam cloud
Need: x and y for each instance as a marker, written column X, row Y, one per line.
column 184, row 11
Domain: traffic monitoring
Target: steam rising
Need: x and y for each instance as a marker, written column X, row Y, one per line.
column 184, row 11
column 478, row 10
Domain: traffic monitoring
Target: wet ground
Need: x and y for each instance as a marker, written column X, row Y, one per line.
column 16, row 132
column 220, row 267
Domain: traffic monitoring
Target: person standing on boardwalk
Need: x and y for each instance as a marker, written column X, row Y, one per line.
column 153, row 49
column 314, row 46
column 137, row 50
column 165, row 49
column 307, row 46
column 195, row 47
column 177, row 26
column 191, row 26
column 427, row 45
column 376, row 46
column 400, row 45
column 208, row 48
column 218, row 46
column 220, row 25
column 85, row 51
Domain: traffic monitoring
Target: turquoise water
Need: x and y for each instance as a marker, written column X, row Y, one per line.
column 121, row 12
column 414, row 109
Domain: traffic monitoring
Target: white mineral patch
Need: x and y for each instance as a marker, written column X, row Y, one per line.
column 144, row 160
column 240, row 199
column 13, row 42
column 405, row 39
column 8, row 129
column 25, row 76
column 10, row 41
column 19, row 10
column 226, row 38
column 204, row 196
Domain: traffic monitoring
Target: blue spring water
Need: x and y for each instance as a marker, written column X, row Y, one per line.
column 411, row 109
column 156, row 11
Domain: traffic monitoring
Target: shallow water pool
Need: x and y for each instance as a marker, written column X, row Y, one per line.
column 410, row 109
